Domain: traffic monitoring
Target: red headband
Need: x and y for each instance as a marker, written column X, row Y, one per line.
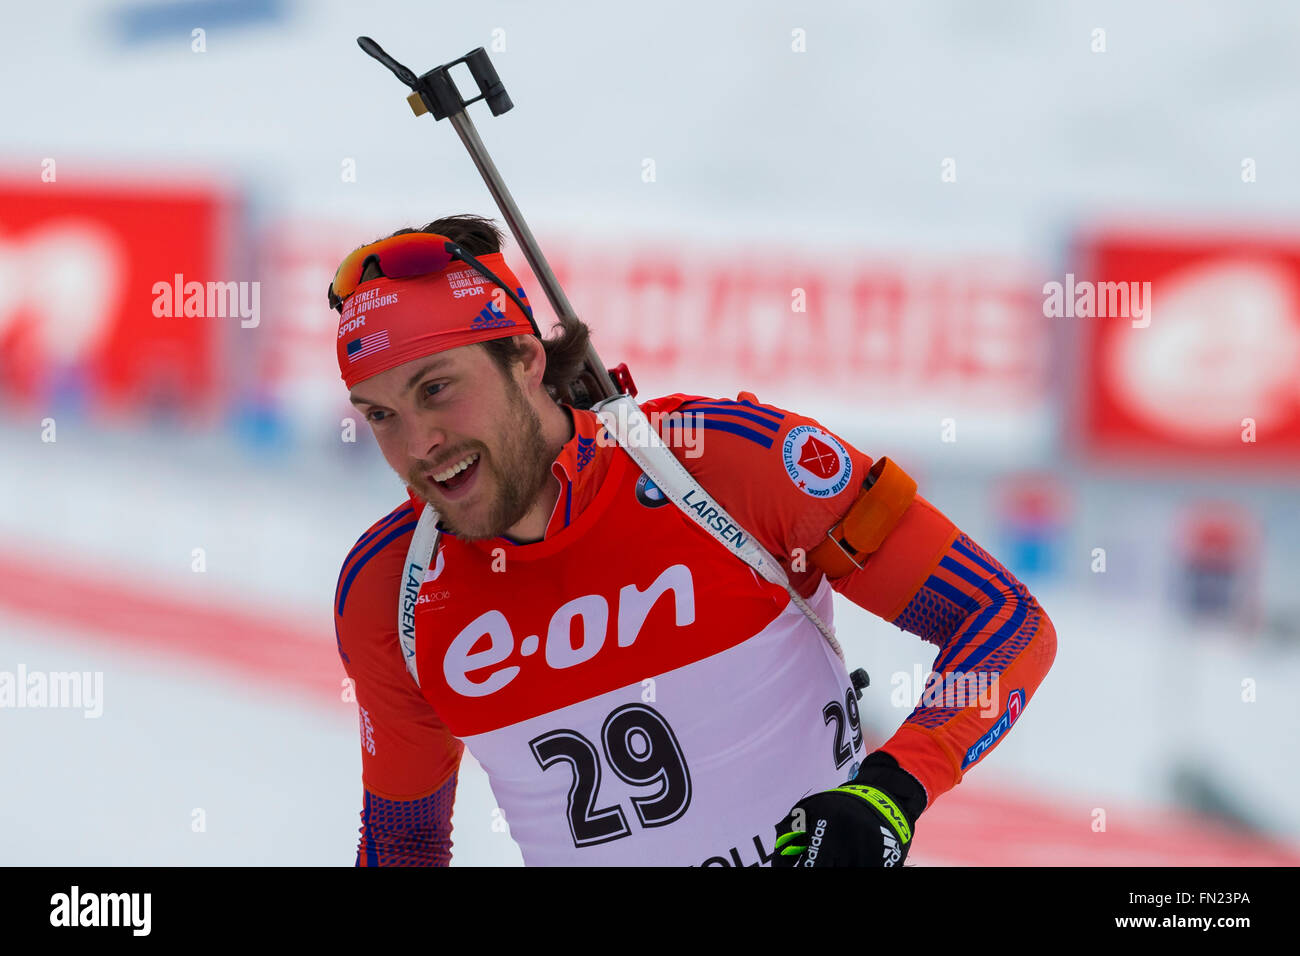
column 388, row 322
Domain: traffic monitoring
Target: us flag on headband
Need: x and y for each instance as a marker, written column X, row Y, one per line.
column 367, row 345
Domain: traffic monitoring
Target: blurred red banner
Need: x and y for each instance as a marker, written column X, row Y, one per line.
column 78, row 270
column 854, row 326
column 1212, row 372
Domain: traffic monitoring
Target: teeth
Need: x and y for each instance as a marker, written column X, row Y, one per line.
column 456, row 469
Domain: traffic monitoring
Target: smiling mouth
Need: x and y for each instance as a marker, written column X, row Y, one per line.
column 461, row 477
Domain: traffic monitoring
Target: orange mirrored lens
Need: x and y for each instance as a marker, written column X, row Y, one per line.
column 399, row 257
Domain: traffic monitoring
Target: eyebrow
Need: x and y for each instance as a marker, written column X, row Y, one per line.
column 410, row 383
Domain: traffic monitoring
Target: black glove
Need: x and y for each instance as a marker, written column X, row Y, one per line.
column 865, row 822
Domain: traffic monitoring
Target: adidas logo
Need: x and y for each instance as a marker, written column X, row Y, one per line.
column 892, row 853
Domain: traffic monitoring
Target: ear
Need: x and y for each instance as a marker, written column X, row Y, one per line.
column 531, row 367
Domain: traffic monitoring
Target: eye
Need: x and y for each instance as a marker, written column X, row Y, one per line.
column 433, row 388
column 376, row 415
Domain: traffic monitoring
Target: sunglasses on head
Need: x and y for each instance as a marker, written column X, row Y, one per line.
column 407, row 255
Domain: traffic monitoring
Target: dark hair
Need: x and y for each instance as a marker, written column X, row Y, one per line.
column 566, row 348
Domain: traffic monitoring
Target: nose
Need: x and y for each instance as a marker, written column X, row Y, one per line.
column 425, row 440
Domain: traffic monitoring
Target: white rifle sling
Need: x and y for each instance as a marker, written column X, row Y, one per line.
column 418, row 555
column 623, row 419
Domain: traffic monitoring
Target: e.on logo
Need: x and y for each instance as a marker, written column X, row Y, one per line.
column 633, row 606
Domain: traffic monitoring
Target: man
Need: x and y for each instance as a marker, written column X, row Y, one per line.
column 634, row 691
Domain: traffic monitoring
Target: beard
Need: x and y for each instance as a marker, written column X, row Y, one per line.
column 515, row 472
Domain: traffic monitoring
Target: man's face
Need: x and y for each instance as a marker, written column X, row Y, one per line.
column 458, row 409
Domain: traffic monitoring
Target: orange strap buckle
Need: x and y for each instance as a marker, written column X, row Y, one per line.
column 886, row 493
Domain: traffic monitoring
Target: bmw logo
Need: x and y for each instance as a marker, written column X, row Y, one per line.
column 648, row 493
